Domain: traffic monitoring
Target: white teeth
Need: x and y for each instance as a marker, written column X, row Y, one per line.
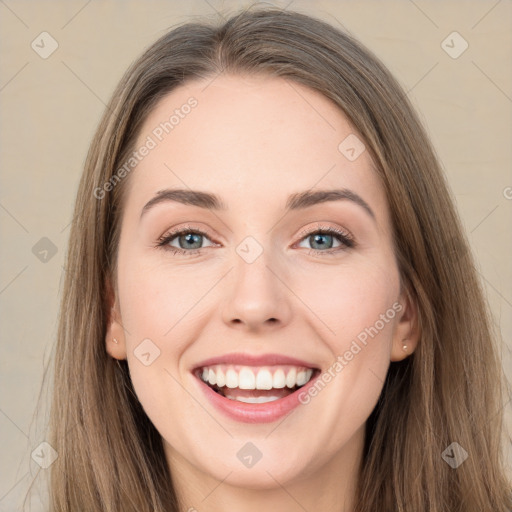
column 220, row 378
column 254, row 399
column 264, row 380
column 278, row 380
column 231, row 379
column 303, row 377
column 291, row 378
column 247, row 377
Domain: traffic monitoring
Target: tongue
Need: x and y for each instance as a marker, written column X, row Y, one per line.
column 234, row 393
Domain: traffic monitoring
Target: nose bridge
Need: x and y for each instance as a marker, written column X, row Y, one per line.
column 256, row 296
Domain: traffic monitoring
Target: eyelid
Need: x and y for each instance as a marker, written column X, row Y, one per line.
column 327, row 228
column 173, row 232
column 186, row 227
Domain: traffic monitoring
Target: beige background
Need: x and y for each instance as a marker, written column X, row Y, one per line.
column 50, row 108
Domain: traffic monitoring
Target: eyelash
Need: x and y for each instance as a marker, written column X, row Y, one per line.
column 346, row 240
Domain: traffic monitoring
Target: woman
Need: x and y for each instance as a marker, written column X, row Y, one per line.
column 323, row 344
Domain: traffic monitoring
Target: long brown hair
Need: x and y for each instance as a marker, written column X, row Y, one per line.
column 452, row 389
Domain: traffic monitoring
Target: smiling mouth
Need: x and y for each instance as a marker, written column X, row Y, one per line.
column 255, row 385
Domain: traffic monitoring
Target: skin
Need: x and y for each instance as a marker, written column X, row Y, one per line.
column 254, row 141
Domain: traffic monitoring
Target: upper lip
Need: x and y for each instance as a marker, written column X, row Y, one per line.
column 254, row 360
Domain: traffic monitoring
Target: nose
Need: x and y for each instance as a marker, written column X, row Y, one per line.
column 258, row 298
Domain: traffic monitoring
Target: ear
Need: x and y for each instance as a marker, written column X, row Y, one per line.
column 115, row 342
column 407, row 331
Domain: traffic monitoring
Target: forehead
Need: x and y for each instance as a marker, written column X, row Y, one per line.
column 249, row 139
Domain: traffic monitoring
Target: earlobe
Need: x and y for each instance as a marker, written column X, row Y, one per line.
column 114, row 336
column 406, row 335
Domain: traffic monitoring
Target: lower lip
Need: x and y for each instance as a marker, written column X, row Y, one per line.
column 255, row 413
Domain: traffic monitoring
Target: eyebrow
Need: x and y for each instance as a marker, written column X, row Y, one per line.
column 295, row 201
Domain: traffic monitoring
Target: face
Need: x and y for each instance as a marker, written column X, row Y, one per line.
column 287, row 275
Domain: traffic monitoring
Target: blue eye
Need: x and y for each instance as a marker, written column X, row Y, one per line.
column 190, row 241
column 322, row 241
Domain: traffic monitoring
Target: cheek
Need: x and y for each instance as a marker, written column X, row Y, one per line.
column 357, row 309
column 351, row 301
column 158, row 300
column 157, row 305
